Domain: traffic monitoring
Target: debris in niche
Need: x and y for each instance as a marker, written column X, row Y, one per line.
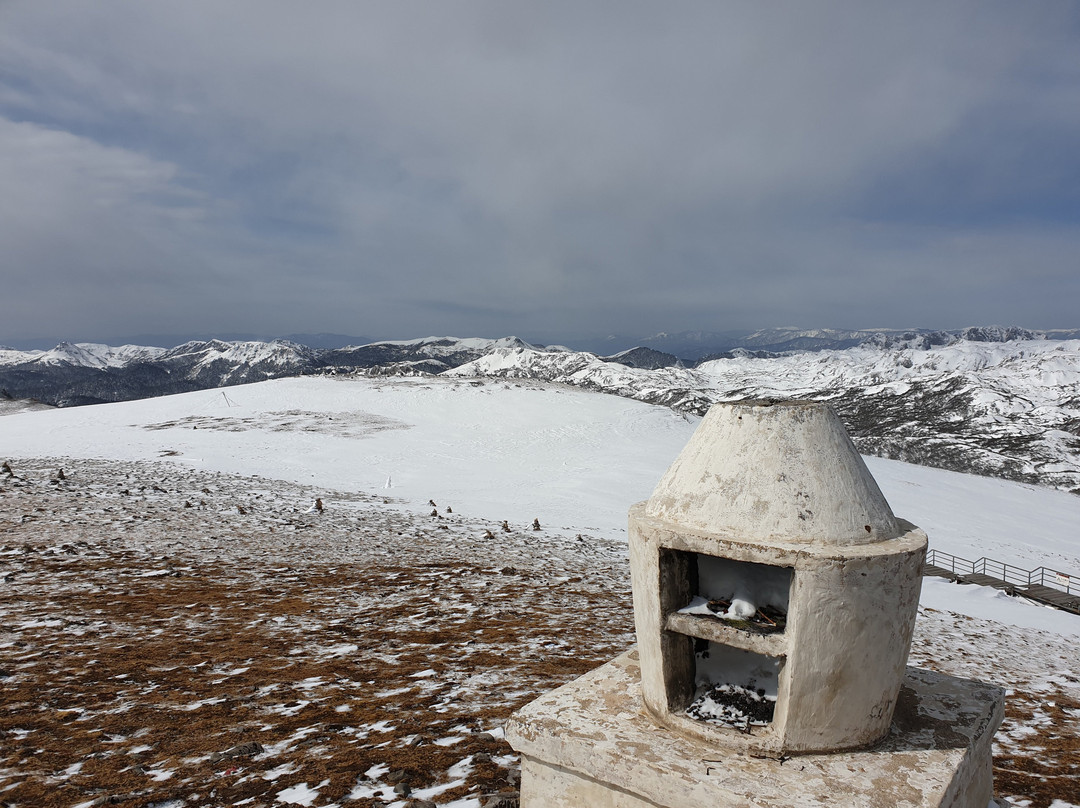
column 741, row 614
column 733, row 706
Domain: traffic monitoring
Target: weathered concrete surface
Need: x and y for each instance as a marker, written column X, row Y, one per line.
column 760, row 471
column 589, row 743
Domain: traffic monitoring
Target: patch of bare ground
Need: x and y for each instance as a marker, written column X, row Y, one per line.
column 1042, row 766
column 171, row 637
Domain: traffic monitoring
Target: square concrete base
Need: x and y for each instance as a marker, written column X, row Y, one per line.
column 590, row 743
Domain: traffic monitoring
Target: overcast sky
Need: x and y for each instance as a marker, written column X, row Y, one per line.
column 546, row 169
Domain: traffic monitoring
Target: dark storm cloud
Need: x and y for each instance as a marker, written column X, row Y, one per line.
column 547, row 169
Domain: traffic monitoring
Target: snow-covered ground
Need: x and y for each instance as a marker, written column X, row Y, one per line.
column 506, row 449
column 501, row 449
column 511, row 449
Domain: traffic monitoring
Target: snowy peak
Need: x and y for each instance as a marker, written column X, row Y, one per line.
column 926, row 340
column 13, row 356
column 67, row 354
column 701, row 345
column 674, row 386
column 217, row 363
column 796, row 339
column 449, row 352
column 87, row 355
column 996, row 333
column 253, row 352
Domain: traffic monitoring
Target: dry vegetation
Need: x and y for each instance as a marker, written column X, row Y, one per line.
column 147, row 647
column 170, row 637
column 1037, row 748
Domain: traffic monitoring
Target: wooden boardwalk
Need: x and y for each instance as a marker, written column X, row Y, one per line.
column 1041, row 594
column 1051, row 597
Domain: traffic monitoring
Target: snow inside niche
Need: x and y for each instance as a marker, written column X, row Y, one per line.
column 754, row 596
column 732, row 687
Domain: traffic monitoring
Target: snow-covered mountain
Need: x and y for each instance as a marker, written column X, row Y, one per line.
column 427, row 355
column 1009, row 409
column 996, row 401
column 85, row 373
column 85, row 354
column 695, row 346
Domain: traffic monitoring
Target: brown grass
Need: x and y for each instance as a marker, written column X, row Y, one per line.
column 1053, row 771
column 93, row 698
column 125, row 676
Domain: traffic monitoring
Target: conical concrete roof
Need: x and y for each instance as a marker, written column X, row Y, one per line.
column 781, row 471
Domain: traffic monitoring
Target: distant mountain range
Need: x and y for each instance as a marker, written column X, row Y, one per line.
column 996, row 401
column 688, row 346
column 695, row 346
column 85, row 373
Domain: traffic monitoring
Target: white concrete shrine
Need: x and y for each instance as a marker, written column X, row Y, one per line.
column 775, row 596
column 771, row 505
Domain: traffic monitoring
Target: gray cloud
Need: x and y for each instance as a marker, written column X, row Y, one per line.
column 546, row 169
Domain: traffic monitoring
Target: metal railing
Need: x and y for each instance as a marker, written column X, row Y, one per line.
column 1042, row 576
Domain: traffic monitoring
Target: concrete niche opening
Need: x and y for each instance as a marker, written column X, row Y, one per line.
column 725, row 620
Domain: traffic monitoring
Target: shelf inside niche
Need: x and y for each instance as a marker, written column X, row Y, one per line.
column 719, row 631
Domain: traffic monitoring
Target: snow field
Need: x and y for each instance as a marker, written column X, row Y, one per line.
column 503, row 449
